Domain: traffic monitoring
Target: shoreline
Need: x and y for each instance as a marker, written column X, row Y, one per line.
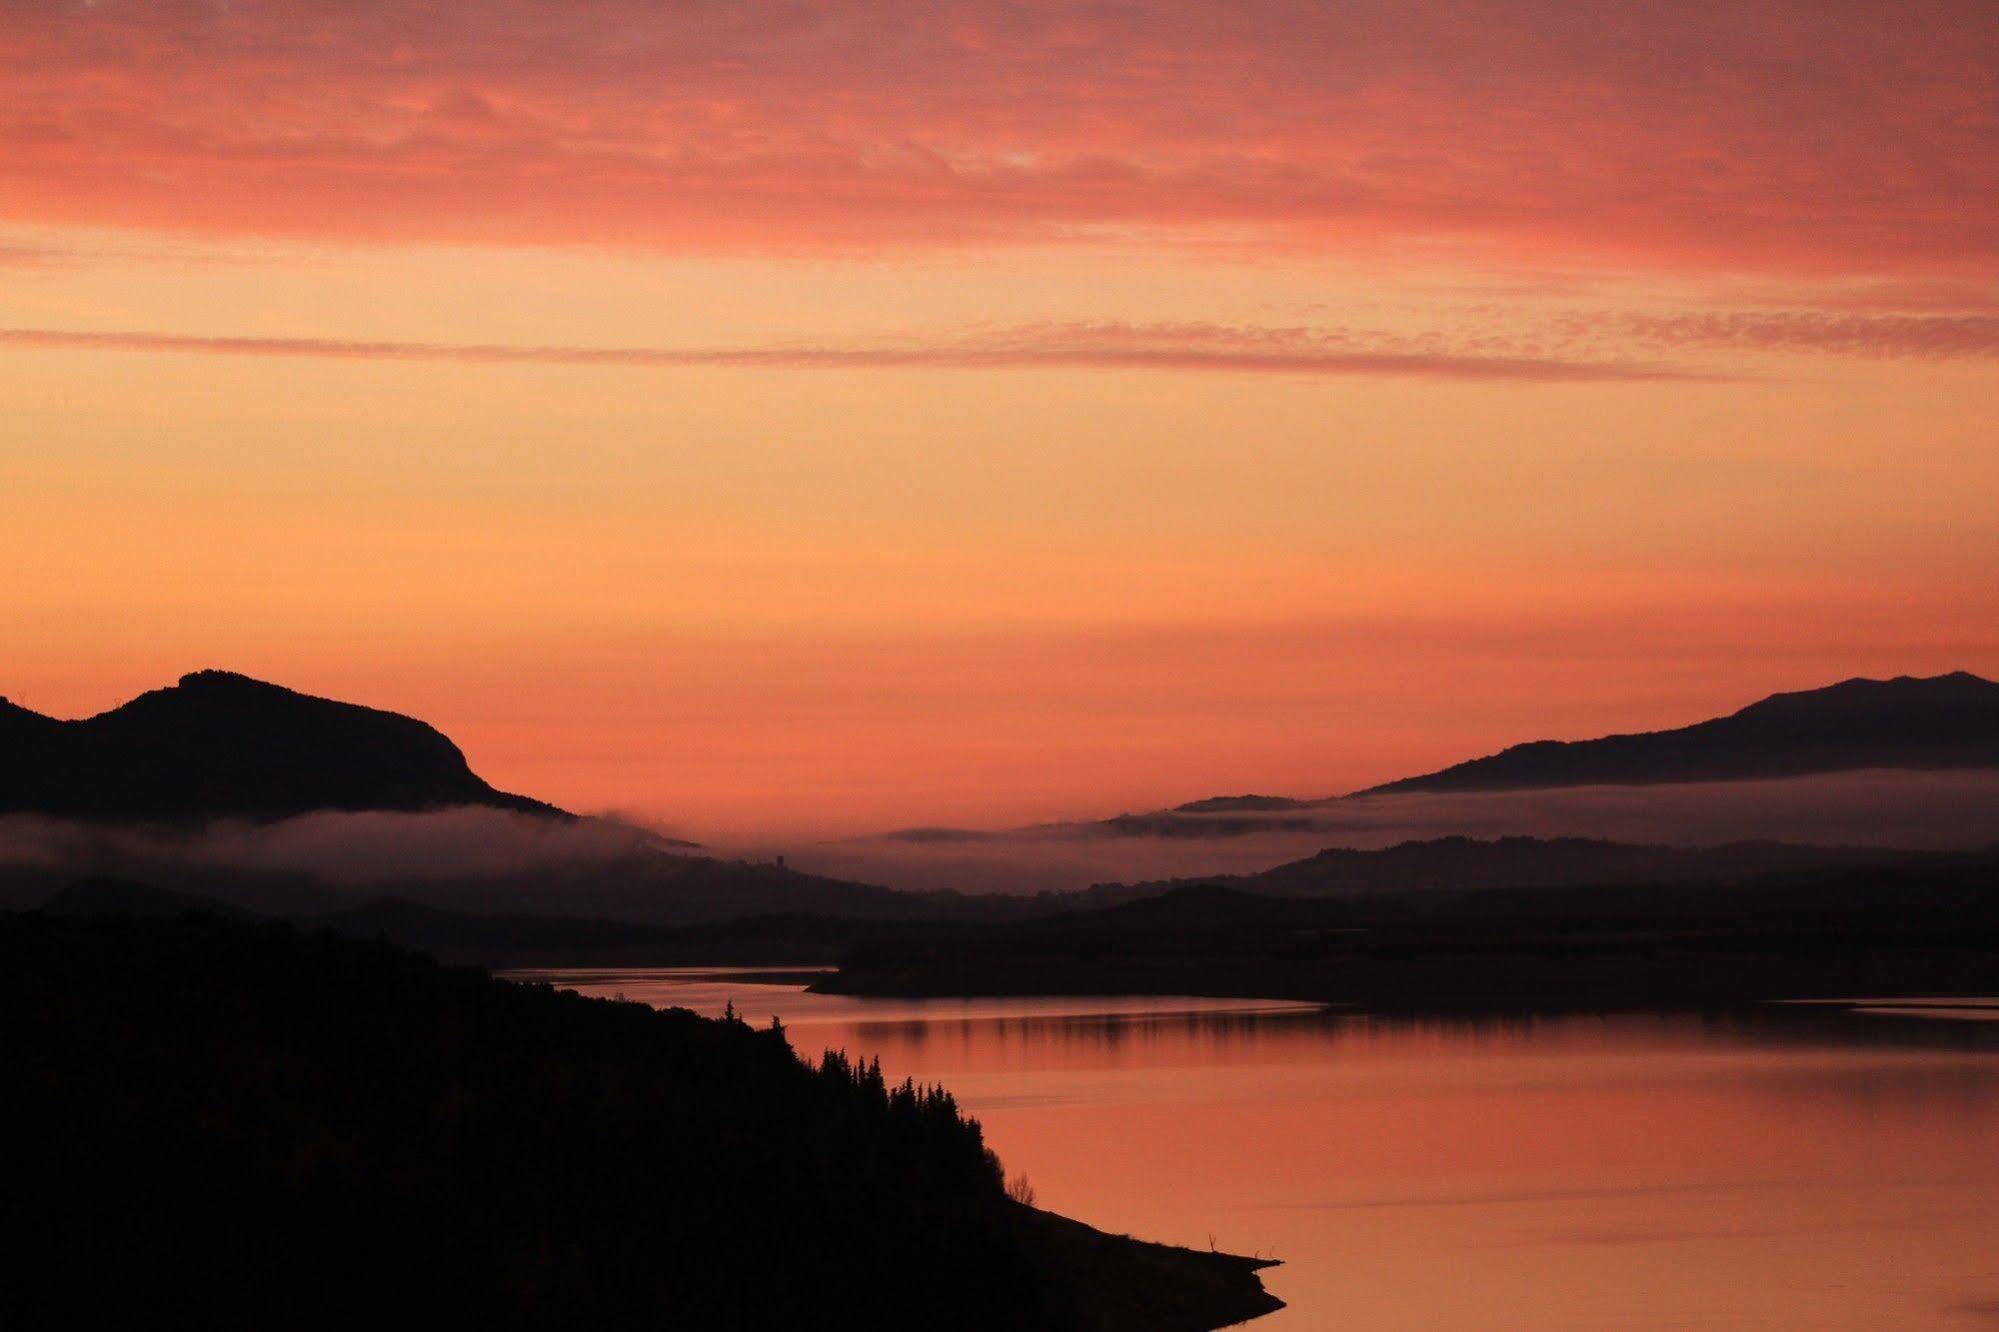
column 229, row 1050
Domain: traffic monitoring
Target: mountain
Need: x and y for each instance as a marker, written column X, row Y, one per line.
column 102, row 896
column 811, row 927
column 1939, row 722
column 221, row 745
column 1942, row 723
column 1467, row 863
column 17, row 722
column 1239, row 804
column 654, row 887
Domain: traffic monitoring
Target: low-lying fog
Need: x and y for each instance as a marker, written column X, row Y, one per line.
column 355, row 851
column 1918, row 810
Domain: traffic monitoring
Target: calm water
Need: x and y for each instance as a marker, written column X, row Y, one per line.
column 1810, row 1169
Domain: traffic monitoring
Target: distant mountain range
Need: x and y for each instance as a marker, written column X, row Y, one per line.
column 1467, row 864
column 1928, row 925
column 519, row 939
column 1515, row 923
column 731, row 913
column 1939, row 722
column 645, row 889
column 1936, row 723
column 220, row 745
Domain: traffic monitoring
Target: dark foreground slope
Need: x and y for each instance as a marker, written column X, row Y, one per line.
column 231, row 1125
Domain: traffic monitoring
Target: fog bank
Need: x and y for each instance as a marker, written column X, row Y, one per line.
column 1916, row 810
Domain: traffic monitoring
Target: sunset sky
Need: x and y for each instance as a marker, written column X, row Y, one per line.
column 814, row 417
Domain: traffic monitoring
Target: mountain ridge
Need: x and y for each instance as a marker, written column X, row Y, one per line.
column 217, row 744
column 1458, row 863
column 1947, row 722
column 1939, row 722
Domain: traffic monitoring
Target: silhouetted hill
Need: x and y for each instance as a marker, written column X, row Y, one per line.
column 642, row 886
column 122, row 897
column 1942, row 722
column 491, row 939
column 1193, row 905
column 662, row 888
column 219, row 745
column 1241, row 804
column 16, row 720
column 222, row 1125
column 508, row 939
column 222, row 746
column 1508, row 862
column 1228, row 820
column 821, row 929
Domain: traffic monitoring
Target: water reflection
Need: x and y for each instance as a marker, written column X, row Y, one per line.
column 1801, row 1166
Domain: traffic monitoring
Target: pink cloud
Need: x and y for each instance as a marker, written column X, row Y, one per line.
column 1786, row 136
column 1892, row 296
column 1585, row 334
column 1592, row 346
column 1810, row 331
column 1042, row 346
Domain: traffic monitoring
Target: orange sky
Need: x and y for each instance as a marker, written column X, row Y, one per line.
column 827, row 416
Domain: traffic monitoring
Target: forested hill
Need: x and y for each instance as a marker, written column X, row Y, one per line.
column 234, row 1125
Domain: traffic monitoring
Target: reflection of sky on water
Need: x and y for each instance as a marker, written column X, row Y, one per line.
column 1822, row 1166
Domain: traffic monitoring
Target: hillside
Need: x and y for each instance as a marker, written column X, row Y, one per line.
column 1940, row 722
column 1464, row 863
column 220, row 745
column 241, row 1126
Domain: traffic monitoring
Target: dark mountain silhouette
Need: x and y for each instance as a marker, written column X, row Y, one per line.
column 644, row 886
column 1240, row 804
column 223, row 746
column 95, row 857
column 1944, row 722
column 1465, row 863
column 1220, row 822
column 1202, row 905
column 1926, row 925
column 1939, row 722
column 228, row 1125
column 17, row 721
column 805, row 938
column 219, row 745
column 102, row 896
column 507, row 939
column 663, row 888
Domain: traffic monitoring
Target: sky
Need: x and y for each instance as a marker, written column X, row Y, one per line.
column 807, row 418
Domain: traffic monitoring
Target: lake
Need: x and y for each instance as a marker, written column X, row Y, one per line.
column 1805, row 1166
